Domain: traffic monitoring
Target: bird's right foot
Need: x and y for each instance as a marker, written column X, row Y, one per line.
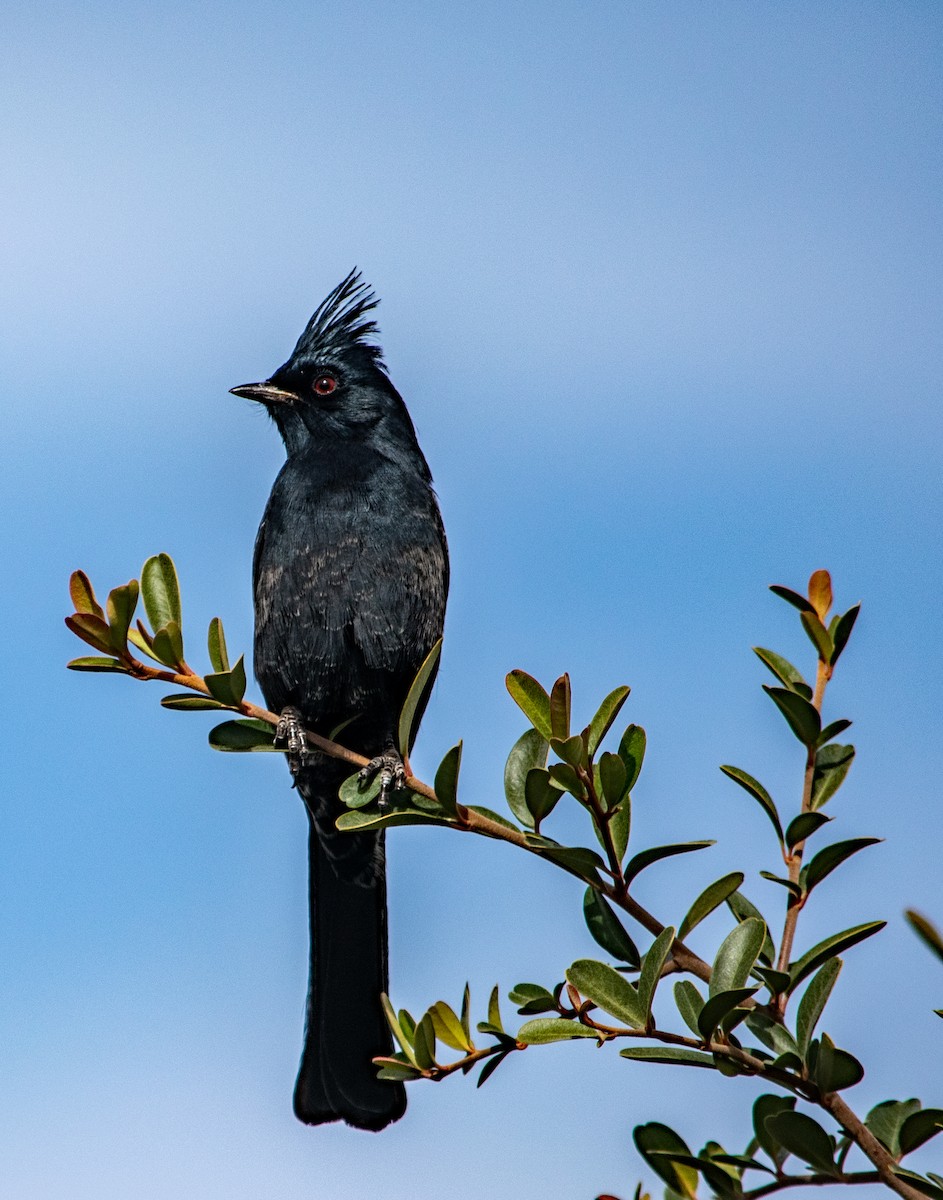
column 290, row 732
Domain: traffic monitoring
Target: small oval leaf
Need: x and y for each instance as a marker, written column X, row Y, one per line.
column 418, row 693
column 243, row 736
column 532, row 700
column 551, row 1029
column 83, row 595
column 610, row 990
column 606, row 714
column 530, row 750
column 160, row 590
column 216, row 645
column 446, row 780
column 607, row 930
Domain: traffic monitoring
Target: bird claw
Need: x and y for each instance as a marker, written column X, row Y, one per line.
column 392, row 773
column 290, row 731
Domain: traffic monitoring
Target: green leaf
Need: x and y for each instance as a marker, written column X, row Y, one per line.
column 712, row 897
column 91, row 629
column 791, row 887
column 743, row 910
column 776, row 981
column 885, row 1121
column 560, row 708
column 654, row 1137
column 803, row 1136
column 93, row 663
column 832, row 764
column 364, row 819
column 919, row 1127
column 831, row 857
column 540, row 796
column 818, row 635
column 446, row 780
column 142, row 639
column 640, row 861
column 719, row 1006
column 764, row 1107
column 418, row 692
column 355, row 792
column 670, row 1055
column 652, row 965
column 833, row 730
column 397, row 1028
column 924, row 929
column 532, row 700
column 920, row 1183
column 244, row 735
column 723, row 1182
column 571, row 749
column 607, row 930
column 813, row 1002
column 490, row 1067
column 606, row 714
column 568, row 779
column 632, row 753
column 531, row 998
column 610, row 990
column 121, row 603
column 161, row 592
column 736, row 956
column 803, row 719
column 216, row 644
column 551, row 1029
column 494, row 1009
column 187, row 701
column 784, row 671
column 620, row 824
column 613, row 777
column 168, row 645
column 774, row 1036
column 396, row 1070
column 690, row 1002
column 792, row 598
column 831, row 947
column 803, row 826
column 759, row 793
column 448, row 1028
column 83, row 595
column 843, row 631
column 832, row 1069
column 530, row 750
column 229, row 687
column 424, row 1045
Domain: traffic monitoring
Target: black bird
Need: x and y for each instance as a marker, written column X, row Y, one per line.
column 350, row 578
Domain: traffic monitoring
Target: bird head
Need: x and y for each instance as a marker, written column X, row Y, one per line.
column 335, row 384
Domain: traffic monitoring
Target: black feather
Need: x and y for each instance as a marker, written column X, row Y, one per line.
column 350, row 577
column 339, row 325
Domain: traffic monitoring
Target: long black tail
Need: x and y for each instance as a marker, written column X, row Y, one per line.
column 344, row 1026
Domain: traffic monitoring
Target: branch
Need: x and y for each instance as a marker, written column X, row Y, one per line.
column 790, row 1181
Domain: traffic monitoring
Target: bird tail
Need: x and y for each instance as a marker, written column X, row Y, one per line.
column 345, row 1027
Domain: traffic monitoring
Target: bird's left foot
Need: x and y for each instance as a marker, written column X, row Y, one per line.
column 392, row 772
column 290, row 732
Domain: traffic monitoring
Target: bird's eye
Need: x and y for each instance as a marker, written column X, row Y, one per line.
column 324, row 385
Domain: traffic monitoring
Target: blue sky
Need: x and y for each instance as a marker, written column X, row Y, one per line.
column 660, row 284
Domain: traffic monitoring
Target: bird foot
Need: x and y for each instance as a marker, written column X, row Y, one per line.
column 392, row 772
column 290, row 731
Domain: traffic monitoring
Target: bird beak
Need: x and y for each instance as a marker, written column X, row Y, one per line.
column 265, row 393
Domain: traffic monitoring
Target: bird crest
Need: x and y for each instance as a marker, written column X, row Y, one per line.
column 340, row 323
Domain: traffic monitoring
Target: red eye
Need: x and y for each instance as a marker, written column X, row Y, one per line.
column 324, row 385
